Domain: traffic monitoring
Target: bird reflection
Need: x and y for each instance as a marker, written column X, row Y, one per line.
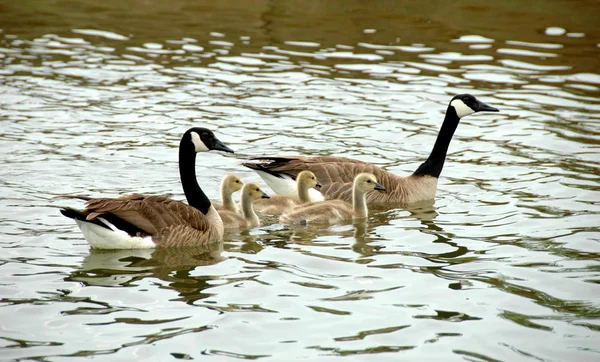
column 365, row 232
column 127, row 267
column 179, row 268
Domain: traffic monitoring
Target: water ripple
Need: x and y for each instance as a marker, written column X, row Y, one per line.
column 506, row 255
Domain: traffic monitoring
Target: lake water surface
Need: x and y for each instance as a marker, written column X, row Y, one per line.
column 504, row 265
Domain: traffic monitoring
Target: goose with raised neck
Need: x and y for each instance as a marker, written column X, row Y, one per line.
column 141, row 221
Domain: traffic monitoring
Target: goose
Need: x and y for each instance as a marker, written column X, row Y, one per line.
column 279, row 204
column 141, row 221
column 230, row 184
column 336, row 211
column 336, row 173
column 248, row 219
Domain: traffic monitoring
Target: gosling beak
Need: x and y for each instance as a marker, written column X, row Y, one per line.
column 318, row 186
column 378, row 187
column 265, row 196
column 220, row 146
column 482, row 107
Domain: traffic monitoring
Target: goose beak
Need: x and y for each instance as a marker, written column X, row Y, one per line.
column 318, row 186
column 482, row 107
column 265, row 196
column 378, row 187
column 220, row 146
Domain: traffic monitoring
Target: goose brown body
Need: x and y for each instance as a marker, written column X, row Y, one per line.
column 169, row 222
column 336, row 175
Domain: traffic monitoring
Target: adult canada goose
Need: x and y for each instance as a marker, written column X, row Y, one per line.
column 336, row 173
column 248, row 219
column 230, row 184
column 279, row 204
column 140, row 221
column 336, row 211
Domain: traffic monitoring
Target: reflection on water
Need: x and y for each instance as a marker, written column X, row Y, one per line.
column 503, row 265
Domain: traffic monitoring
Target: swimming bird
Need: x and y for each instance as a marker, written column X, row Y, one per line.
column 336, row 211
column 279, row 204
column 337, row 173
column 248, row 219
column 141, row 221
column 230, row 184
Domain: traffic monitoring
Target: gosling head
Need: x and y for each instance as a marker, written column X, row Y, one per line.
column 232, row 183
column 465, row 104
column 203, row 140
column 308, row 179
column 252, row 191
column 367, row 182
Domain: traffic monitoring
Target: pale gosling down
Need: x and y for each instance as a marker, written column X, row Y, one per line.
column 248, row 218
column 337, row 211
column 280, row 204
column 230, row 184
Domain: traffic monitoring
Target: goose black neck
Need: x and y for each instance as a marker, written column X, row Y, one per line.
column 435, row 162
column 187, row 171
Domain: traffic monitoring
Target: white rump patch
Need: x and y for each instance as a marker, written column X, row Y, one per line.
column 461, row 108
column 285, row 185
column 200, row 146
column 102, row 238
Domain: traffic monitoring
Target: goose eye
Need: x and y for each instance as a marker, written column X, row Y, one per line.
column 369, row 181
column 257, row 190
column 237, row 181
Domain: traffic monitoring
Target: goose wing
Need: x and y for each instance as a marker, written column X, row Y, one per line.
column 163, row 218
column 335, row 174
column 328, row 169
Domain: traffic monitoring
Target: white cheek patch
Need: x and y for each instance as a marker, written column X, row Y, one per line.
column 200, row 146
column 461, row 108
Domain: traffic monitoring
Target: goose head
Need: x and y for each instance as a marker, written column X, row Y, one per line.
column 367, row 182
column 307, row 179
column 465, row 104
column 252, row 191
column 203, row 140
column 232, row 183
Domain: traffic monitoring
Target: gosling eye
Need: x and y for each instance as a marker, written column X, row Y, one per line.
column 237, row 181
column 257, row 190
column 369, row 181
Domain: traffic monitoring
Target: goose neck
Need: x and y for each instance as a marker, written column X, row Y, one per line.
column 435, row 162
column 303, row 193
column 227, row 198
column 248, row 210
column 187, row 172
column 359, row 202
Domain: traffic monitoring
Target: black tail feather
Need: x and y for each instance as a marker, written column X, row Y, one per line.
column 79, row 197
column 73, row 214
column 119, row 223
column 260, row 167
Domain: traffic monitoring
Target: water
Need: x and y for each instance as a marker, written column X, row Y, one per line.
column 502, row 266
